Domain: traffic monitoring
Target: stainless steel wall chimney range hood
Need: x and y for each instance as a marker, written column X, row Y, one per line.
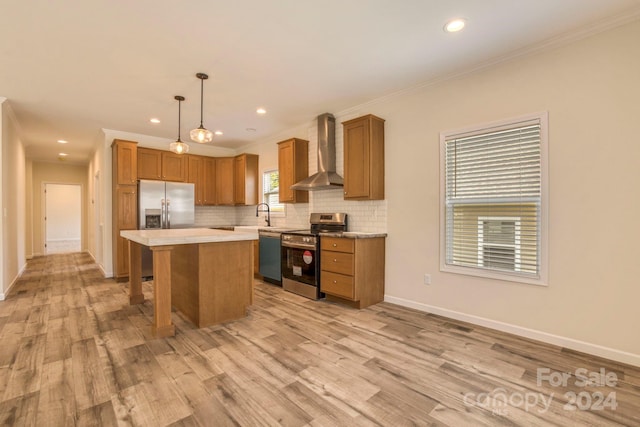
column 326, row 178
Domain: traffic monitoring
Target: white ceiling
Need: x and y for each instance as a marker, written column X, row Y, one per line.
column 70, row 68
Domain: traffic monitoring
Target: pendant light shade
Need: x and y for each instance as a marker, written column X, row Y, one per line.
column 179, row 147
column 200, row 134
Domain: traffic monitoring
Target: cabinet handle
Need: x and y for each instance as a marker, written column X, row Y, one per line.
column 335, row 244
column 335, row 281
column 335, row 260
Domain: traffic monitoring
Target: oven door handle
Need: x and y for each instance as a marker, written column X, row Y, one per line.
column 301, row 246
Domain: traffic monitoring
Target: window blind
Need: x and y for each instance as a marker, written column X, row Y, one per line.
column 270, row 191
column 493, row 199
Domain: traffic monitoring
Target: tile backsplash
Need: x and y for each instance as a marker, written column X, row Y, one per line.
column 215, row 216
column 365, row 216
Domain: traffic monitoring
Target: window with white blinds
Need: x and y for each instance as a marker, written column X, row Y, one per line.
column 493, row 199
column 270, row 191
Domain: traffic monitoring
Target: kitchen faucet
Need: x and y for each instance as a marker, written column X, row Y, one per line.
column 268, row 211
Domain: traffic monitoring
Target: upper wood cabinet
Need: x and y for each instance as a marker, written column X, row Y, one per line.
column 174, row 167
column 149, row 164
column 293, row 166
column 364, row 158
column 246, row 179
column 125, row 164
column 162, row 165
column 209, row 180
column 224, row 180
column 202, row 173
column 195, row 176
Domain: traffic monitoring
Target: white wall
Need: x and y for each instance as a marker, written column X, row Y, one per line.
column 12, row 209
column 590, row 89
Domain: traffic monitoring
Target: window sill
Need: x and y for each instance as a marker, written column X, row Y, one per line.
column 494, row 275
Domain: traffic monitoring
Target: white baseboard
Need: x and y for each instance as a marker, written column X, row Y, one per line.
column 104, row 273
column 4, row 294
column 64, row 240
column 573, row 344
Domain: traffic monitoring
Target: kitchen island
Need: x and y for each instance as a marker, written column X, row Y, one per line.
column 206, row 274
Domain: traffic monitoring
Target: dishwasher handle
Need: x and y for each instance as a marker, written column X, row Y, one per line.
column 272, row 234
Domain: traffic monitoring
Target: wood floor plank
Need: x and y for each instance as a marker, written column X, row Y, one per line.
column 19, row 411
column 58, row 343
column 27, row 367
column 93, row 380
column 56, row 405
column 101, row 415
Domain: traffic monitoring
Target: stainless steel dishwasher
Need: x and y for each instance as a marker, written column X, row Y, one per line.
column 270, row 256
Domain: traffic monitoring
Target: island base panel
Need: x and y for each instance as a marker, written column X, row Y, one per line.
column 135, row 281
column 162, row 325
column 165, row 331
column 213, row 282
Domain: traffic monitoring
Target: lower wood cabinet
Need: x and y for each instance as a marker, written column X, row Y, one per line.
column 352, row 270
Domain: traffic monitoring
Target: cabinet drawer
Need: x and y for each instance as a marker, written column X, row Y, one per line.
column 337, row 262
column 337, row 244
column 337, row 284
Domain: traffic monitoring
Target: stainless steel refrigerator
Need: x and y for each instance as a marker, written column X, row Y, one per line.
column 163, row 205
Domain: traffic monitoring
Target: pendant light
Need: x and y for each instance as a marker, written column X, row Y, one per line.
column 200, row 134
column 179, row 147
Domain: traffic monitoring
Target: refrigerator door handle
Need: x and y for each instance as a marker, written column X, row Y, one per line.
column 162, row 215
column 168, row 210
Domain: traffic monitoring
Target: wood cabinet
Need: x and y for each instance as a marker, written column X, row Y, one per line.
column 195, row 175
column 202, row 173
column 293, row 166
column 174, row 167
column 256, row 260
column 162, row 165
column 246, row 179
column 124, row 203
column 125, row 156
column 364, row 158
column 352, row 270
column 224, row 181
column 209, row 180
column 149, row 164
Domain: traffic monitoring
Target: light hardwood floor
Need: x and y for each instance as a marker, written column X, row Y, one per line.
column 74, row 352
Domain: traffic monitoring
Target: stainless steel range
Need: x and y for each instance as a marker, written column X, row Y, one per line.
column 301, row 254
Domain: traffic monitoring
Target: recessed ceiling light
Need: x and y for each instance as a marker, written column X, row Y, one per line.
column 154, row 120
column 261, row 111
column 455, row 25
column 62, row 154
column 62, row 141
column 218, row 132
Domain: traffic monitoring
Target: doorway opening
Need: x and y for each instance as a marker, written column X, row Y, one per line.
column 62, row 218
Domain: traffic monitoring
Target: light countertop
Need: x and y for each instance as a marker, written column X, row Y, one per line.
column 185, row 236
column 354, row 235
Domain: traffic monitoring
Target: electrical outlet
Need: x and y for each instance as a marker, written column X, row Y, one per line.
column 427, row 279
